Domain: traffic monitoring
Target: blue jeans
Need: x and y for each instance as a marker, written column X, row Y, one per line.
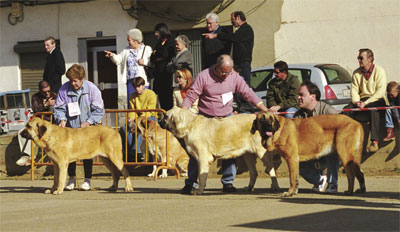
column 291, row 109
column 131, row 147
column 388, row 119
column 228, row 171
column 312, row 174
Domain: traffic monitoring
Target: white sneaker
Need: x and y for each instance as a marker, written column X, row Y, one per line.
column 86, row 185
column 323, row 182
column 71, row 184
column 24, row 161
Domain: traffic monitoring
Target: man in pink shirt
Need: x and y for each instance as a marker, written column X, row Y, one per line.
column 214, row 87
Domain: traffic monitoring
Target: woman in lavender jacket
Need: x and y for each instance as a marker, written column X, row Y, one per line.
column 79, row 104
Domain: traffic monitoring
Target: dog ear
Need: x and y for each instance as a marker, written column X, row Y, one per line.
column 277, row 125
column 41, row 130
column 254, row 126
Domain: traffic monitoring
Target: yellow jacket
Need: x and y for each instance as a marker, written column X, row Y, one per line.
column 148, row 100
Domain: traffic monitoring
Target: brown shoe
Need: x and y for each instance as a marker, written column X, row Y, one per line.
column 373, row 147
column 389, row 135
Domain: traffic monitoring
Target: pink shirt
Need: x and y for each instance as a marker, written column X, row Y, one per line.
column 209, row 89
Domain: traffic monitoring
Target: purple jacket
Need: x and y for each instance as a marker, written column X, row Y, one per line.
column 208, row 88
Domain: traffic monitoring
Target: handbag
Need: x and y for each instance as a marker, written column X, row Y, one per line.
column 147, row 69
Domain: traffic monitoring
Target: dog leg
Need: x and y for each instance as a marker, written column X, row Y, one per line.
column 293, row 164
column 250, row 160
column 164, row 173
column 55, row 184
column 62, row 176
column 268, row 160
column 120, row 166
column 361, row 180
column 114, row 173
column 203, row 173
column 153, row 173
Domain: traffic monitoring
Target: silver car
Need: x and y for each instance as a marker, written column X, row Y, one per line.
column 332, row 80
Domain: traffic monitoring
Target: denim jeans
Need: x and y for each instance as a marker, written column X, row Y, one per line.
column 290, row 109
column 388, row 119
column 312, row 174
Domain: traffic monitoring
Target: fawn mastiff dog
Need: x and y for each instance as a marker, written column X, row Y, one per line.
column 299, row 140
column 66, row 145
column 208, row 139
column 156, row 140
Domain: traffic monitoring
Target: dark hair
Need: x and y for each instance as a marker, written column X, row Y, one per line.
column 392, row 85
column 163, row 30
column 43, row 84
column 312, row 89
column 51, row 38
column 240, row 14
column 138, row 81
column 282, row 66
column 368, row 51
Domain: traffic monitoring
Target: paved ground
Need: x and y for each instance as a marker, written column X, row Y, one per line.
column 157, row 206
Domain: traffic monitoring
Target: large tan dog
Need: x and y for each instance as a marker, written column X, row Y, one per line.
column 300, row 140
column 156, row 140
column 208, row 139
column 66, row 145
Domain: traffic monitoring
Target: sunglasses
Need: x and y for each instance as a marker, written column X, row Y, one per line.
column 360, row 58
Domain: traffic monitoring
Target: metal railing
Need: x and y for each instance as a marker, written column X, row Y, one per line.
column 41, row 158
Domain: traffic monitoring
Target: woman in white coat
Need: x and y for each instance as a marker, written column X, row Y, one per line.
column 132, row 60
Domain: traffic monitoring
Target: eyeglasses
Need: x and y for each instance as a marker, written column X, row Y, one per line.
column 360, row 58
column 277, row 72
column 179, row 77
column 48, row 91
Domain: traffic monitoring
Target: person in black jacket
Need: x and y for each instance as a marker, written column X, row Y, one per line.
column 243, row 42
column 163, row 52
column 55, row 64
column 213, row 48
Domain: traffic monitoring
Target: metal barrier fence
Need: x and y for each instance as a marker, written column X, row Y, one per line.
column 108, row 120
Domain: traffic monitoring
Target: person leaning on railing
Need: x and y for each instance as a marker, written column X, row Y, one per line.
column 42, row 101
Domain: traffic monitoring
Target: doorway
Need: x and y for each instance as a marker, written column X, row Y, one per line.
column 102, row 71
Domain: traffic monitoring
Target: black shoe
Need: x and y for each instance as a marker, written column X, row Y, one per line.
column 228, row 188
column 187, row 190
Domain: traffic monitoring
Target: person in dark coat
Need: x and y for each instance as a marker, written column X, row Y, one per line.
column 163, row 52
column 55, row 64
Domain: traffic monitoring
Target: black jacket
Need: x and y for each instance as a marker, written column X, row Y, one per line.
column 243, row 42
column 54, row 69
column 212, row 48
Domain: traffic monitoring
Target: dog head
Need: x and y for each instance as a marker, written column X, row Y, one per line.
column 144, row 124
column 35, row 129
column 177, row 121
column 267, row 124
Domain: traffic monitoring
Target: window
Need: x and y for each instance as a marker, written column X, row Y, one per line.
column 335, row 74
column 259, row 80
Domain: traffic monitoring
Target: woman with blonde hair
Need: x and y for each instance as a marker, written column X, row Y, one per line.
column 185, row 80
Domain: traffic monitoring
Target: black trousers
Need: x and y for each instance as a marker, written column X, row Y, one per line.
column 373, row 116
column 87, row 167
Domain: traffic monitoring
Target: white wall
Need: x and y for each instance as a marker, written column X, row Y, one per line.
column 334, row 31
column 66, row 22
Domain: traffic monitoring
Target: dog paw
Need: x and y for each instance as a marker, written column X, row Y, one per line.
column 47, row 191
column 112, row 188
column 57, row 192
column 249, row 189
column 128, row 189
column 163, row 176
column 184, row 174
column 151, row 175
column 348, row 193
column 197, row 192
column 287, row 194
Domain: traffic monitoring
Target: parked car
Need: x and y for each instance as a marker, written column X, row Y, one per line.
column 15, row 110
column 332, row 80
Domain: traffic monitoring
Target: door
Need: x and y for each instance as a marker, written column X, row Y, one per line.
column 103, row 73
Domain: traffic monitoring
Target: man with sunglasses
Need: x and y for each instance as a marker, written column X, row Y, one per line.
column 214, row 88
column 283, row 90
column 368, row 87
column 42, row 101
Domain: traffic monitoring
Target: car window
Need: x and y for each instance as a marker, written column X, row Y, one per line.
column 335, row 74
column 259, row 80
column 302, row 74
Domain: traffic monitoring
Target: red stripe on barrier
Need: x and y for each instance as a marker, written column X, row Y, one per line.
column 354, row 109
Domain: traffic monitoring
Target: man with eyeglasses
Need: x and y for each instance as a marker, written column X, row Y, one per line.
column 42, row 101
column 368, row 87
column 214, row 88
column 283, row 90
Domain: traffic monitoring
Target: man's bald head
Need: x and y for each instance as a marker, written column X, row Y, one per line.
column 225, row 60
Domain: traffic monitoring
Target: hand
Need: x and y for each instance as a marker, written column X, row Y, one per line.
column 85, row 124
column 109, row 54
column 140, row 62
column 360, row 104
column 275, row 108
column 210, row 35
column 235, row 112
column 50, row 102
column 62, row 123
